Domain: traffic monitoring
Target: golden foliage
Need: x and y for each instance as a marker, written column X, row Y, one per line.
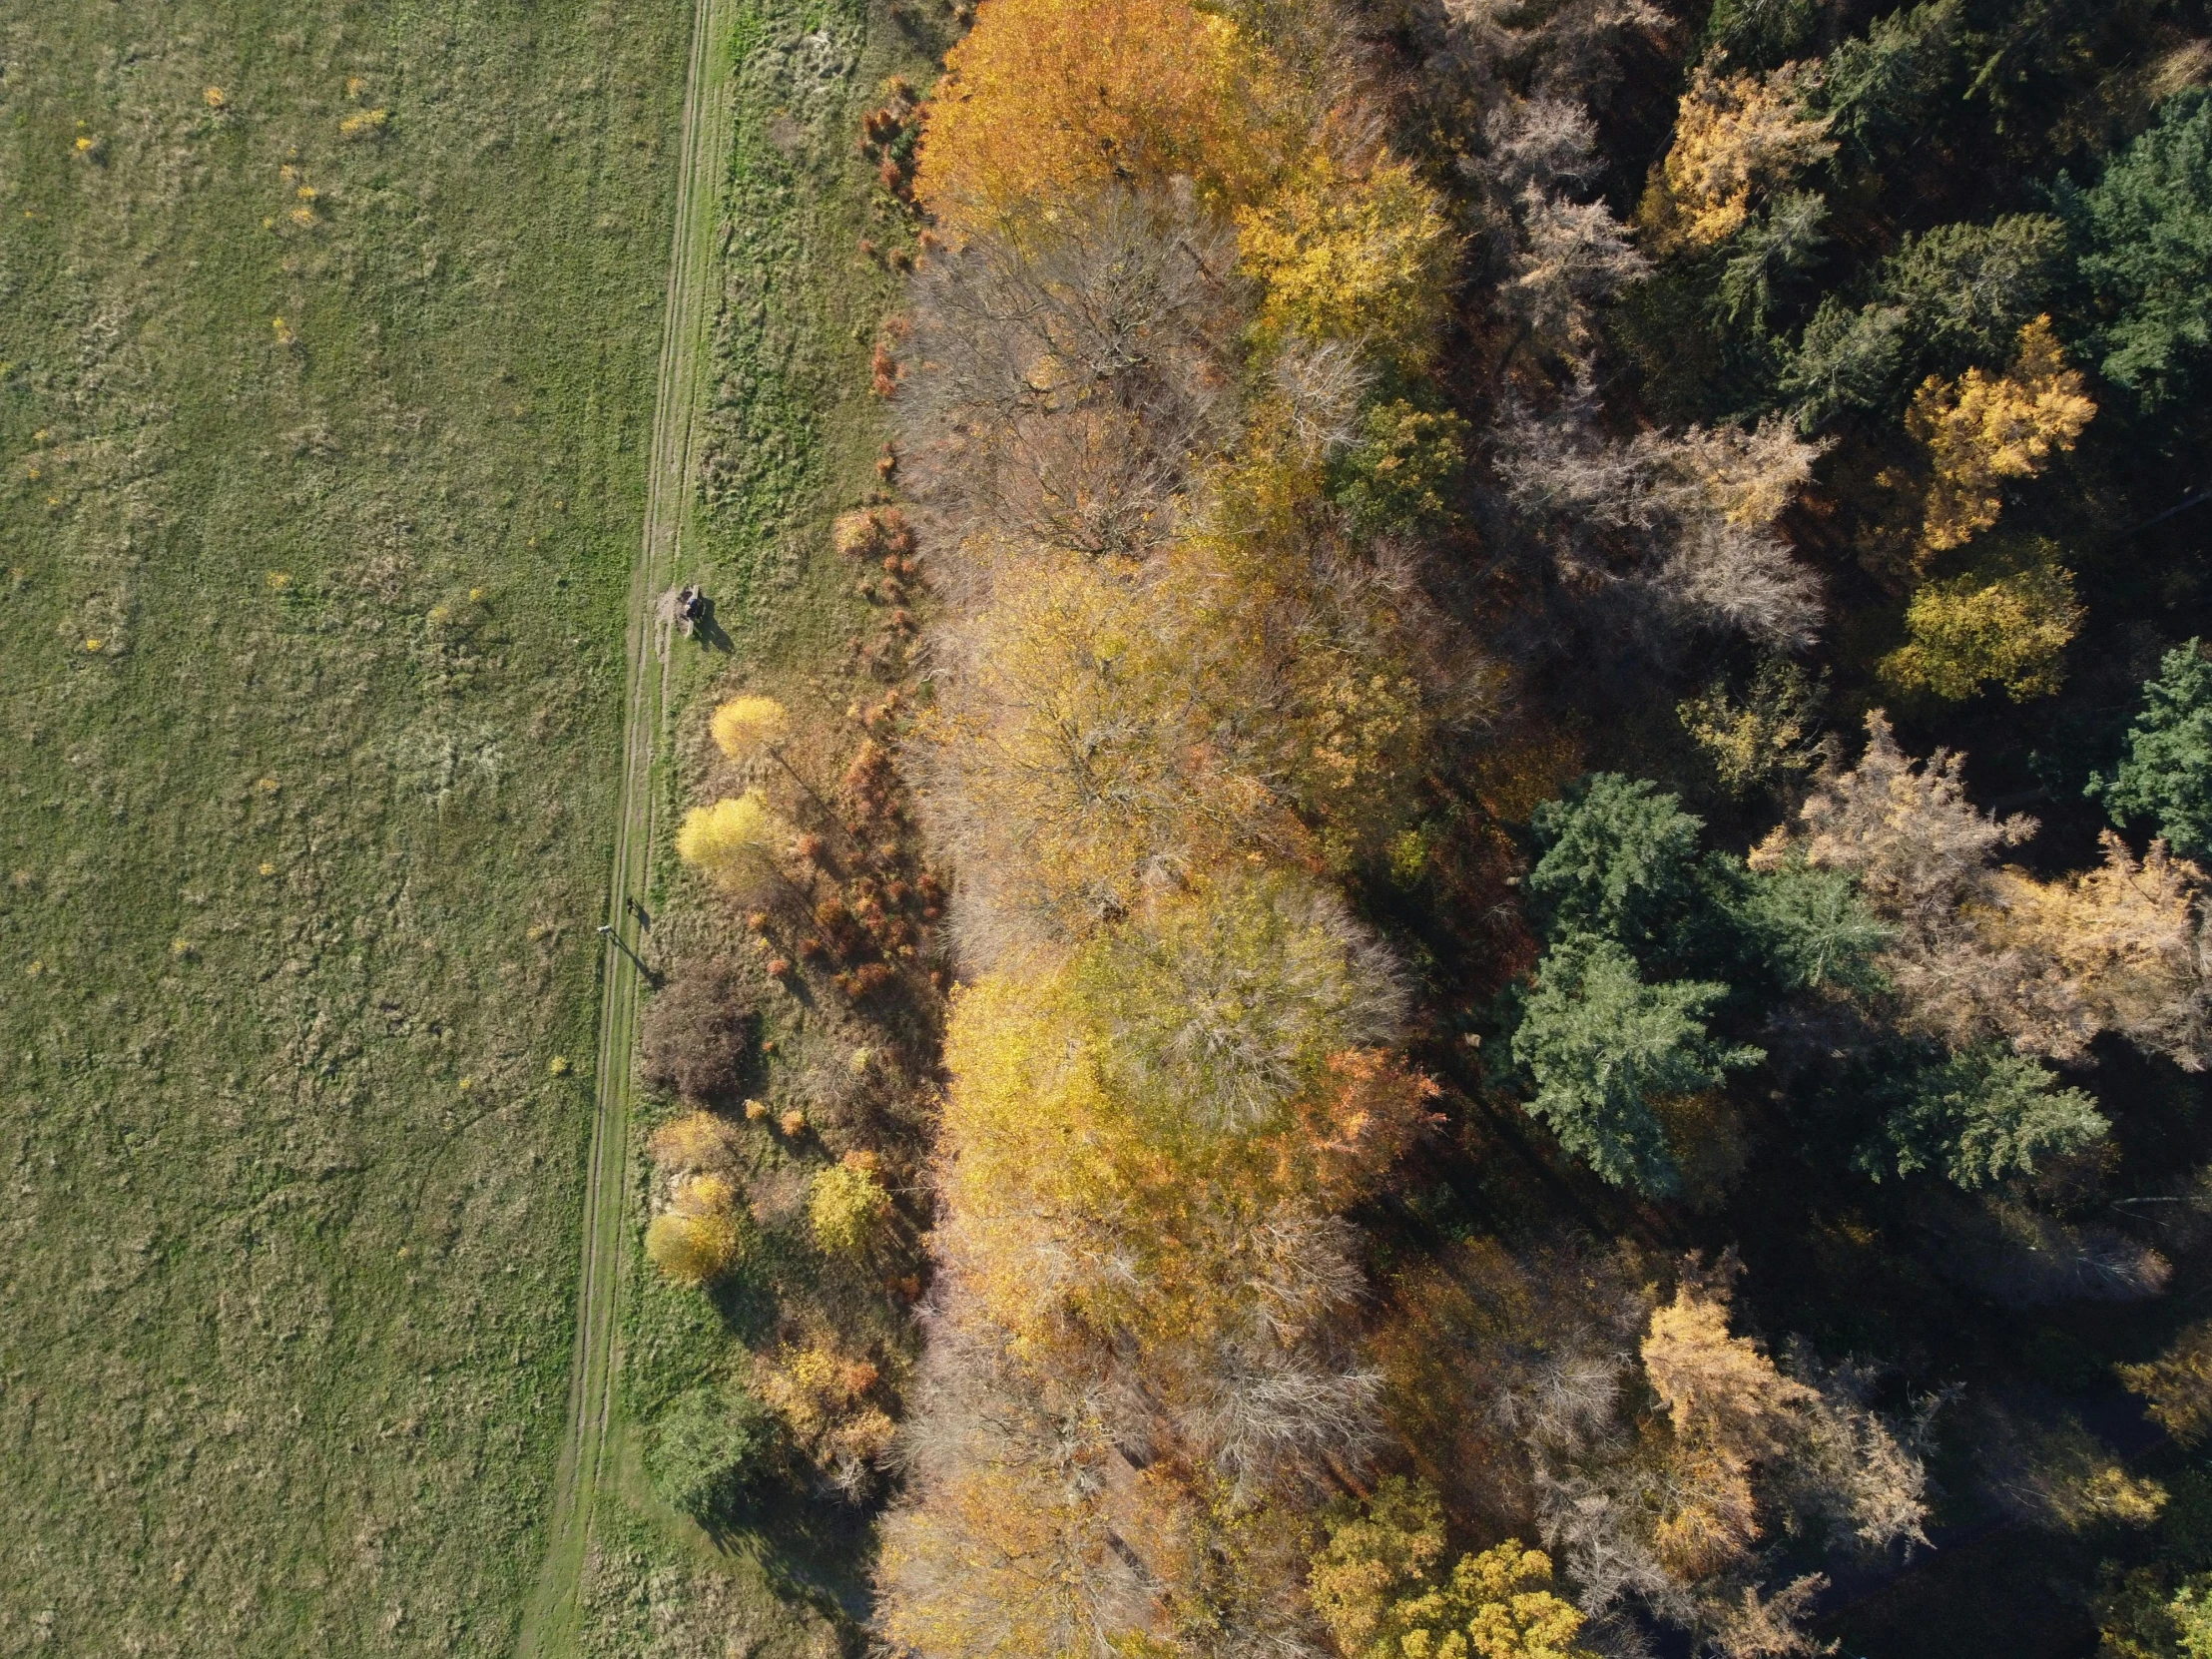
column 1982, row 951
column 1733, row 134
column 697, row 1237
column 1350, row 255
column 1924, row 857
column 2013, row 629
column 1375, row 1587
column 1376, row 1556
column 1079, row 753
column 2126, row 935
column 1011, row 1557
column 1751, row 474
column 1049, row 101
column 746, row 727
column 1286, row 624
column 1730, row 1410
column 1028, row 1153
column 847, row 1208
column 2056, row 1473
column 826, row 1400
column 735, row 843
column 1714, row 1385
column 1765, row 736
column 1979, row 432
column 1120, row 1133
column 697, row 1140
column 2178, row 1385
column 1516, row 1614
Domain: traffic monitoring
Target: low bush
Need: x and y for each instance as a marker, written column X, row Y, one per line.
column 707, row 1447
column 699, row 1036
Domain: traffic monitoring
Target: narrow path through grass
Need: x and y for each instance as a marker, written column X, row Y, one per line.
column 552, row 1623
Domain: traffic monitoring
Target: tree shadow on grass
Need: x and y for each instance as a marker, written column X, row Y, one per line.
column 818, row 1546
column 746, row 1303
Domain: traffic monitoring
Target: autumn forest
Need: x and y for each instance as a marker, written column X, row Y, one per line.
column 1530, row 834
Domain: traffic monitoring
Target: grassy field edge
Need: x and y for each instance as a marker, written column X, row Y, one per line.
column 551, row 1624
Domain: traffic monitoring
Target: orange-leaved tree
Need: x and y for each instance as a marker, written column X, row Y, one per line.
column 1049, row 101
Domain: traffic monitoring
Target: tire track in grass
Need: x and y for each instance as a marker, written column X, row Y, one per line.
column 552, row 1623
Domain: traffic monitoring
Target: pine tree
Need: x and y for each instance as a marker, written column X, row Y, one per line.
column 1601, row 1045
column 2166, row 775
column 2147, row 226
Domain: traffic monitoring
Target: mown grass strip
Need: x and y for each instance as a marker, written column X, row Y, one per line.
column 552, row 1626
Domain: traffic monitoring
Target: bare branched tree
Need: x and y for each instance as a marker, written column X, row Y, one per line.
column 1573, row 258
column 1540, row 143
column 1066, row 375
column 1772, row 1627
column 1554, row 48
column 1321, row 386
column 1684, row 522
column 1006, row 1539
column 1854, row 1468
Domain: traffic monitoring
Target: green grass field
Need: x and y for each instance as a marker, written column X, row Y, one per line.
column 328, row 339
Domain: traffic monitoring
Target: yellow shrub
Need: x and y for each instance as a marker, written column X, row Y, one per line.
column 735, row 844
column 693, row 1141
column 2178, row 1383
column 847, row 1208
column 823, row 1396
column 746, row 726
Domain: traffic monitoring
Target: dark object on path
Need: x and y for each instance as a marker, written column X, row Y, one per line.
column 690, row 604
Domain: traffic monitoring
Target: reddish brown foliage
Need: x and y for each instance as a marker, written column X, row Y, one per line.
column 1374, row 1108
column 697, row 1034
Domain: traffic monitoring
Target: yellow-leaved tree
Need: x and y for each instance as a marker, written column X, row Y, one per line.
column 2010, row 625
column 1979, row 432
column 1352, row 253
column 737, row 844
column 699, row 1140
column 1735, row 135
column 1731, row 1409
column 1073, row 760
column 697, row 1238
column 1377, row 1586
column 2126, row 935
column 1143, row 1154
column 746, row 727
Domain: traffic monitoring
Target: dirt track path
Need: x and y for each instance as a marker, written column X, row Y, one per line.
column 552, row 1624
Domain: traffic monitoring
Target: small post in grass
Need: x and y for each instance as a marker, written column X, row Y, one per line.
column 620, row 943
